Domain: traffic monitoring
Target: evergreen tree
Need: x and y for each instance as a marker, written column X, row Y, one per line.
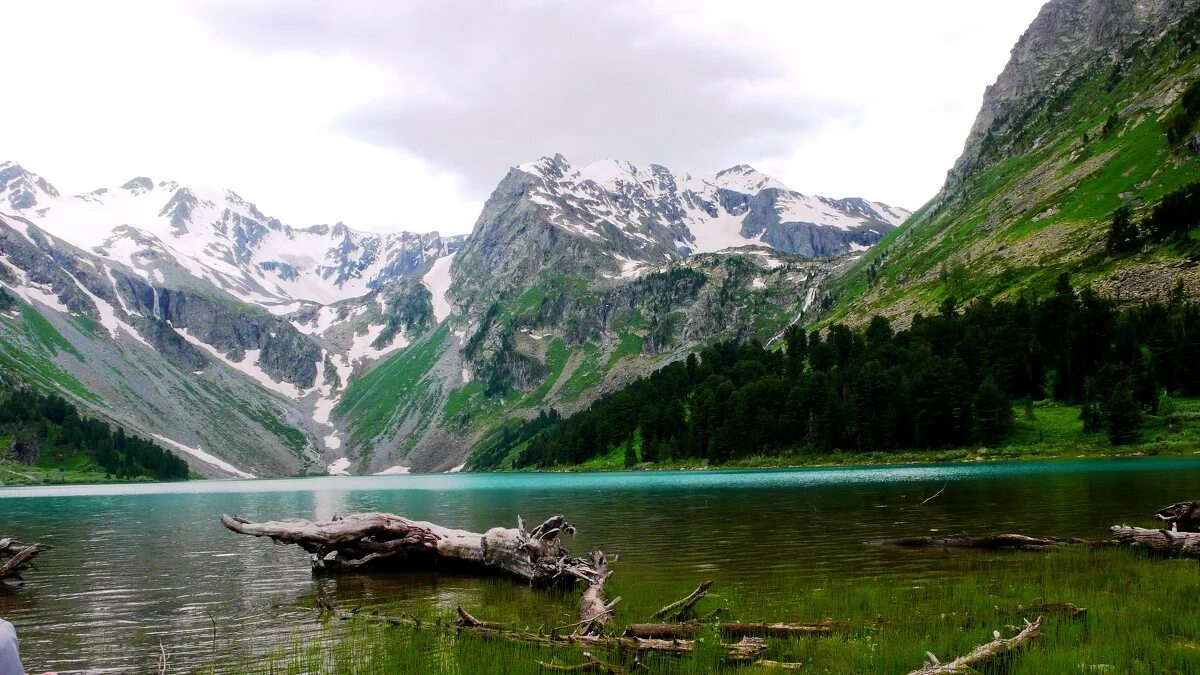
column 1122, row 414
column 992, row 414
column 1122, row 232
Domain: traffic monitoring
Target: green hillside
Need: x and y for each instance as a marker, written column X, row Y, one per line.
column 1050, row 177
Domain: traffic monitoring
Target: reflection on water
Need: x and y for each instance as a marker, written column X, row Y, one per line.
column 139, row 563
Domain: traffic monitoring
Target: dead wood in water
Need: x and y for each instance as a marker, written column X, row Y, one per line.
column 1159, row 541
column 363, row 540
column 995, row 542
column 16, row 557
column 745, row 650
column 594, row 612
column 983, row 653
column 678, row 609
column 1182, row 517
column 734, row 629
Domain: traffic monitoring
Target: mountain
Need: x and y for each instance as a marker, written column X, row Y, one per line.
column 1091, row 118
column 319, row 348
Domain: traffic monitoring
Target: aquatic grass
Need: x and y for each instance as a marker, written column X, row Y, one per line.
column 1140, row 618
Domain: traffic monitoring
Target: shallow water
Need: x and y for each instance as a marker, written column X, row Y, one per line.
column 136, row 564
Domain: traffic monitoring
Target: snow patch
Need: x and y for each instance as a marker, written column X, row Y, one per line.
column 203, row 456
column 394, row 471
column 339, row 467
column 437, row 280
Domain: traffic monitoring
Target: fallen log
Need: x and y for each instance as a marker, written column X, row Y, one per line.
column 16, row 557
column 983, row 653
column 594, row 612
column 1159, row 541
column 678, row 609
column 746, row 649
column 995, row 542
column 735, row 629
column 364, row 540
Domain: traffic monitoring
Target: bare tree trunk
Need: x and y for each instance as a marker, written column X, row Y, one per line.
column 594, row 612
column 995, row 542
column 1159, row 541
column 744, row 650
column 377, row 539
column 680, row 608
column 16, row 557
column 982, row 653
column 732, row 629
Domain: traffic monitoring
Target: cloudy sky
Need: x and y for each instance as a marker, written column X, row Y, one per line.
column 389, row 115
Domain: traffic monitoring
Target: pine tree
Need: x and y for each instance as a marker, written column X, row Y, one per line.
column 1122, row 232
column 631, row 458
column 1122, row 414
column 991, row 414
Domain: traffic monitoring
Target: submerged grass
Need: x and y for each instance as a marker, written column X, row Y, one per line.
column 1140, row 619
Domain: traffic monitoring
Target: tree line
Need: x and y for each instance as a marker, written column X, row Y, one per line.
column 42, row 425
column 948, row 380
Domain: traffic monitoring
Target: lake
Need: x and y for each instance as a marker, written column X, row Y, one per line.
column 134, row 565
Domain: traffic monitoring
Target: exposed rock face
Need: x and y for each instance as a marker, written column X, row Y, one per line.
column 21, row 189
column 1066, row 38
column 610, row 217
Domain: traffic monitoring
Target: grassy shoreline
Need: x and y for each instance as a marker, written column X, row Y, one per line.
column 1043, row 430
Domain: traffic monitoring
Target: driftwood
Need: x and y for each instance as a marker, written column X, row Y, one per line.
column 995, row 542
column 747, row 649
column 1159, row 541
column 16, row 557
column 735, row 629
column 364, row 540
column 982, row 653
column 1182, row 517
column 678, row 609
column 594, row 612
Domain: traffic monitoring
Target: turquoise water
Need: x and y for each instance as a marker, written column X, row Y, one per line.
column 136, row 564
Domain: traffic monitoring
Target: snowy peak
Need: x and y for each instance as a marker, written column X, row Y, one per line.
column 656, row 212
column 21, row 189
column 746, row 179
column 163, row 229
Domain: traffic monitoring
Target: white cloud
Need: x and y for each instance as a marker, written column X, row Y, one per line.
column 390, row 116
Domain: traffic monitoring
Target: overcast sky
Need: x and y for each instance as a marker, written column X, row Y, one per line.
column 389, row 115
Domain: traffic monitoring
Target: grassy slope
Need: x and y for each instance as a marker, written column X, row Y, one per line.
column 1043, row 205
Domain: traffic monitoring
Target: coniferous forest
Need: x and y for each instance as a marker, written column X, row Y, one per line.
column 950, row 379
column 51, row 428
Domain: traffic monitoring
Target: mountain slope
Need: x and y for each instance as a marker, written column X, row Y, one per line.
column 321, row 348
column 1074, row 129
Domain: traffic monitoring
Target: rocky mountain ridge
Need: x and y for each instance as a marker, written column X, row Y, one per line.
column 572, row 281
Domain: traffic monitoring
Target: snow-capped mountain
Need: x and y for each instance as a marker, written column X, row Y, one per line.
column 322, row 348
column 737, row 207
column 218, row 236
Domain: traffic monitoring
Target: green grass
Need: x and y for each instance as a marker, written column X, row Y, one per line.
column 1053, row 431
column 587, row 374
column 1140, row 618
column 1057, row 171
column 39, row 331
column 28, row 350
column 75, row 470
column 374, row 403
